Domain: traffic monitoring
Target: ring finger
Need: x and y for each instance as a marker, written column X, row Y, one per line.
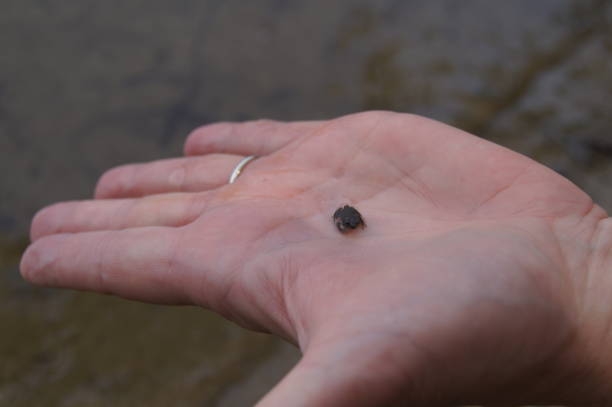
column 187, row 174
column 259, row 137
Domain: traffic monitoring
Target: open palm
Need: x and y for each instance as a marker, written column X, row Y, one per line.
column 465, row 286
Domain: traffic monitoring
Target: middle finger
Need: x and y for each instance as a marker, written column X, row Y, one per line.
column 175, row 209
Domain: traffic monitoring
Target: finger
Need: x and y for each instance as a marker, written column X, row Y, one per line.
column 258, row 137
column 188, row 174
column 155, row 210
column 138, row 263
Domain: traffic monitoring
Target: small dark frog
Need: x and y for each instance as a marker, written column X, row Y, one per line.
column 348, row 218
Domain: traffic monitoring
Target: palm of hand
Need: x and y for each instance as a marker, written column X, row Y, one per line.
column 461, row 264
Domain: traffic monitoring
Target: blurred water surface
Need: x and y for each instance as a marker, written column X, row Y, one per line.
column 86, row 85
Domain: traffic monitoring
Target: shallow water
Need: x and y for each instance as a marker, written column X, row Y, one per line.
column 87, row 85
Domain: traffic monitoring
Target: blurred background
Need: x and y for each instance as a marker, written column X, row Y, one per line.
column 86, row 85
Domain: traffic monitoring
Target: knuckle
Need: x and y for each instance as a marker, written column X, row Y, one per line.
column 177, row 176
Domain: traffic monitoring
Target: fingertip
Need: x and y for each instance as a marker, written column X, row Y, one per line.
column 36, row 259
column 100, row 190
column 26, row 264
column 114, row 182
column 44, row 222
column 103, row 186
column 190, row 141
column 199, row 141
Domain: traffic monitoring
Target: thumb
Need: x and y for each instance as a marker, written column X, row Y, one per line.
column 344, row 375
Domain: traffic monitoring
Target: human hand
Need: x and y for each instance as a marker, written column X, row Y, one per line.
column 472, row 282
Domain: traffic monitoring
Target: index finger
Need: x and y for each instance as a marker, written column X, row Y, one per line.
column 137, row 263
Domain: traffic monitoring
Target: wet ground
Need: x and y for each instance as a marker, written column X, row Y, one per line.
column 86, row 85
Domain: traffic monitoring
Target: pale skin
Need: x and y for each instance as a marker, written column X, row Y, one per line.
column 481, row 277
